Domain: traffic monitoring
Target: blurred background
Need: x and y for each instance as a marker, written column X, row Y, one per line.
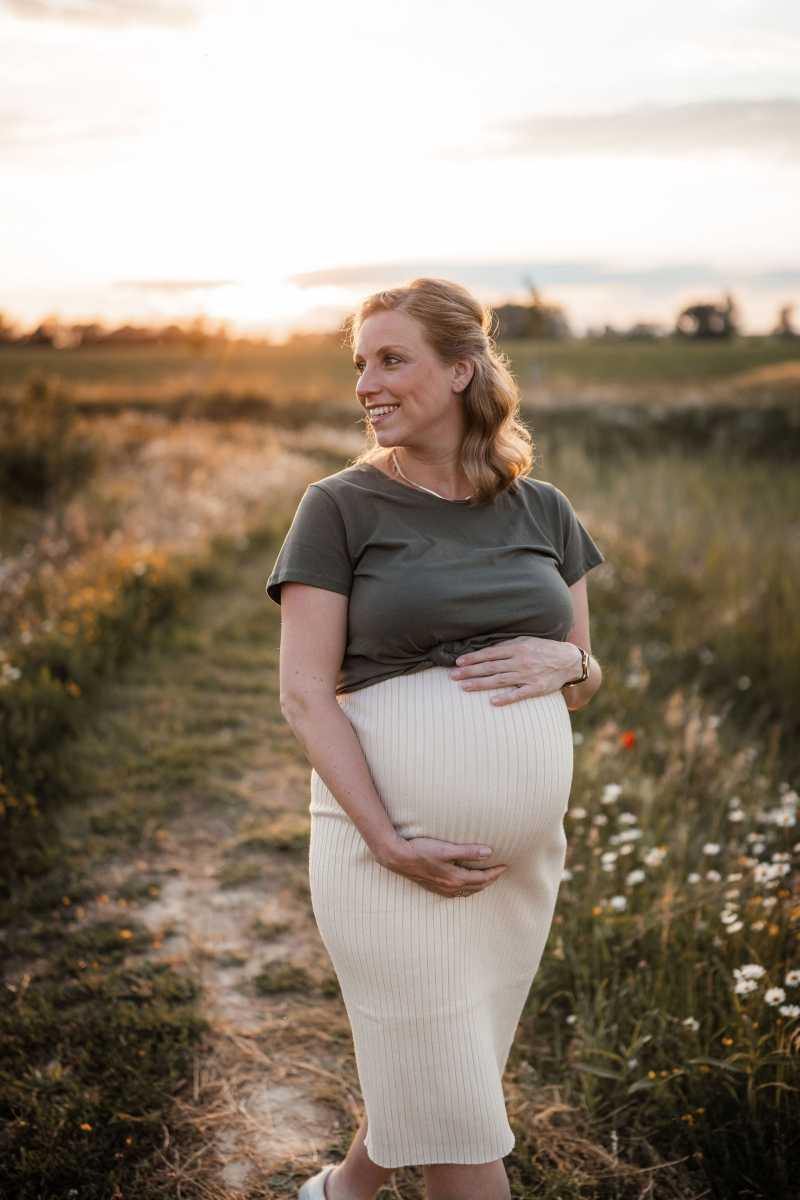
column 194, row 196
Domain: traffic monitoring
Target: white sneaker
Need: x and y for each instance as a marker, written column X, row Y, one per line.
column 314, row 1188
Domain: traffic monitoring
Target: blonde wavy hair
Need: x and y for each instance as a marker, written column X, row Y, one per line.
column 496, row 448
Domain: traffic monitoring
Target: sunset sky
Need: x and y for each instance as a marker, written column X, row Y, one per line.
column 269, row 164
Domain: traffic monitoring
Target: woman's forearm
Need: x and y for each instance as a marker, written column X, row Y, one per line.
column 334, row 751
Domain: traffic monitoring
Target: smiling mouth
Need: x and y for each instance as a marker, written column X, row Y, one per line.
column 383, row 410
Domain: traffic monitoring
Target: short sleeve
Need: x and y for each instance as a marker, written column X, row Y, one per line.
column 579, row 552
column 314, row 550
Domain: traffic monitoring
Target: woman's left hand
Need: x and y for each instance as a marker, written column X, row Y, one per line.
column 531, row 666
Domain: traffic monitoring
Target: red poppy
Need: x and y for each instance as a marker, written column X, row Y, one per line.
column 628, row 738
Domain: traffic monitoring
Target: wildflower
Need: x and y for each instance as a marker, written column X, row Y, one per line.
column 618, row 903
column 743, row 986
column 728, row 916
column 577, row 813
column 757, row 926
column 792, row 978
column 85, row 1125
column 628, row 835
column 566, row 875
column 571, row 1019
column 635, row 876
column 711, row 848
column 633, row 1062
column 600, row 819
column 691, row 1023
column 125, row 933
column 609, row 856
column 610, row 793
column 628, row 738
column 713, row 876
column 693, row 877
column 765, row 872
column 727, row 1041
column 736, row 814
column 750, row 971
column 654, row 857
column 775, row 995
column 789, row 1010
column 626, row 818
column 735, row 927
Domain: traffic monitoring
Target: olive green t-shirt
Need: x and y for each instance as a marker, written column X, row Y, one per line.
column 429, row 579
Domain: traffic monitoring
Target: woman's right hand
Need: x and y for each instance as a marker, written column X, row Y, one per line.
column 429, row 862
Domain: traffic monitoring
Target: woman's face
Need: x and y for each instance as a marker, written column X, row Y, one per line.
column 398, row 369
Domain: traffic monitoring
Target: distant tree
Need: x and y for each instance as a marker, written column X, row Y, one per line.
column 784, row 326
column 8, row 334
column 708, row 320
column 538, row 319
column 644, row 331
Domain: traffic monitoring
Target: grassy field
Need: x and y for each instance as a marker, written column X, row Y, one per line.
column 292, row 374
column 173, row 1025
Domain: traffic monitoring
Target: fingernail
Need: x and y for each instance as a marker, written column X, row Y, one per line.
column 484, row 853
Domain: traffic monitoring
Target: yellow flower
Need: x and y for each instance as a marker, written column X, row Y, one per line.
column 125, row 933
column 85, row 1125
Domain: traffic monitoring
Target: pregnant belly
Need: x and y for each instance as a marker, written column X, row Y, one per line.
column 449, row 764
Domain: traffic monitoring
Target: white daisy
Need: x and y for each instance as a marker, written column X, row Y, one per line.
column 750, row 971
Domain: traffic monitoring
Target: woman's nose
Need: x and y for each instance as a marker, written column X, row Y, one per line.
column 364, row 384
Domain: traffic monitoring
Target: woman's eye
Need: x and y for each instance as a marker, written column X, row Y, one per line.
column 360, row 366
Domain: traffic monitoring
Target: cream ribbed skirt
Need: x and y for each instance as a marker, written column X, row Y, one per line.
column 434, row 986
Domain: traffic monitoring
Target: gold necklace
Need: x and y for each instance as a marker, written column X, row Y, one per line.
column 422, row 488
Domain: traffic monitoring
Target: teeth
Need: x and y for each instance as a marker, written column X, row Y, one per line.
column 378, row 412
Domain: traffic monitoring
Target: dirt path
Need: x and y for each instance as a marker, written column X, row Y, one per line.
column 191, row 760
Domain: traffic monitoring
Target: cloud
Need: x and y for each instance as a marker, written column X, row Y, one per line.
column 767, row 127
column 515, row 275
column 110, row 14
column 172, row 287
column 25, row 130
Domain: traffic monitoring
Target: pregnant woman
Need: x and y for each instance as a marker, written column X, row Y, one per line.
column 434, row 638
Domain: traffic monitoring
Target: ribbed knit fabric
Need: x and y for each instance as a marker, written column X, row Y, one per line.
column 434, row 986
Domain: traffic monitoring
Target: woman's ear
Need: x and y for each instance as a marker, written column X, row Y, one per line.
column 463, row 372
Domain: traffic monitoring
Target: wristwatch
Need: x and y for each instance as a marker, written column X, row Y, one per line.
column 584, row 669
